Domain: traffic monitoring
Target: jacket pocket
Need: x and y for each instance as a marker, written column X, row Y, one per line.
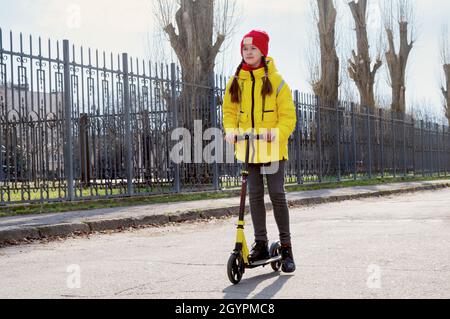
column 266, row 111
column 269, row 114
column 270, row 118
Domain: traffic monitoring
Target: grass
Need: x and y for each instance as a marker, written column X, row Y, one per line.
column 55, row 194
column 56, row 207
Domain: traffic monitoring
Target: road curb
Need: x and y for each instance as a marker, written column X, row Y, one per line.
column 17, row 235
column 22, row 235
column 61, row 230
column 340, row 198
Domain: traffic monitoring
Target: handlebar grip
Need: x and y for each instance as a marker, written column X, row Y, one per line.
column 249, row 137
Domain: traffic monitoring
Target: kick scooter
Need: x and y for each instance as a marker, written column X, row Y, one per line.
column 239, row 259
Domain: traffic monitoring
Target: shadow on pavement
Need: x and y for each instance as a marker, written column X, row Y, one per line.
column 247, row 286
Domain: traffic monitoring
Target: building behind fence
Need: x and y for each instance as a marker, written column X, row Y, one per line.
column 79, row 124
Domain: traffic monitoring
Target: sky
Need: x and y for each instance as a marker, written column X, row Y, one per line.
column 129, row 26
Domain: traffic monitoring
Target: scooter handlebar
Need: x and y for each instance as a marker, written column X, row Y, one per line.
column 249, row 136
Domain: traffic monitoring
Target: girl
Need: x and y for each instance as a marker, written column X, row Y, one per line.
column 257, row 100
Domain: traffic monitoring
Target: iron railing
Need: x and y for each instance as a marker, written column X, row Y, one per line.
column 80, row 124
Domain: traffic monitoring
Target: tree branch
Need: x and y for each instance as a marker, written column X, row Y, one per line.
column 174, row 39
column 377, row 65
column 390, row 36
column 216, row 47
column 352, row 72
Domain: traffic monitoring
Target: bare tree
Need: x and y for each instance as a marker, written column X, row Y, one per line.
column 158, row 49
column 445, row 59
column 312, row 47
column 403, row 13
column 326, row 87
column 193, row 38
column 196, row 30
column 359, row 69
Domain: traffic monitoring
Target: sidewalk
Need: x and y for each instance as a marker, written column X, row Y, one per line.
column 27, row 227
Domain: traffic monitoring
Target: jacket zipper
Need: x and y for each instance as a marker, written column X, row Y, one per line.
column 253, row 99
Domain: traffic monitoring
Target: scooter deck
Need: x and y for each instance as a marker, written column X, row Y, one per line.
column 264, row 262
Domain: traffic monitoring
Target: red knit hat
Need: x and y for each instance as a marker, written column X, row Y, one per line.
column 259, row 39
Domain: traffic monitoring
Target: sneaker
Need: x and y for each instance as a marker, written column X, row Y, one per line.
column 260, row 251
column 287, row 258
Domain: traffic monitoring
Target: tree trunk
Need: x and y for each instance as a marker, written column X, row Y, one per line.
column 360, row 67
column 196, row 52
column 446, row 92
column 397, row 66
column 194, row 47
column 327, row 86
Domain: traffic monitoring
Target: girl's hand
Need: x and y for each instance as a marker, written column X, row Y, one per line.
column 270, row 136
column 230, row 137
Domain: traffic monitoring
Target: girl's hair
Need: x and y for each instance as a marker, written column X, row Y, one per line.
column 267, row 85
column 235, row 90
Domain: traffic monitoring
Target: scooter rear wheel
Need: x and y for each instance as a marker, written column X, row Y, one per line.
column 275, row 250
column 235, row 268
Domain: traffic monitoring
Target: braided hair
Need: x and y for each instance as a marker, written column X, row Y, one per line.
column 235, row 90
column 267, row 88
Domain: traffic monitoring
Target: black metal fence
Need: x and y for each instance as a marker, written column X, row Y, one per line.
column 79, row 124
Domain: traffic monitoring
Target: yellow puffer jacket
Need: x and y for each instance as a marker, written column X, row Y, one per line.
column 278, row 113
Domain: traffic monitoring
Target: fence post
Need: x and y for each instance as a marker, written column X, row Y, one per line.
column 214, row 124
column 2, row 176
column 319, row 138
column 177, row 186
column 127, row 113
column 68, row 139
column 354, row 140
column 298, row 136
column 394, row 162
column 338, row 142
column 444, row 143
column 85, row 166
column 438, row 151
column 2, row 144
column 404, row 146
column 413, row 146
column 346, row 141
column 369, row 140
column 430, row 139
column 422, row 148
column 382, row 141
column 447, row 137
column 426, row 138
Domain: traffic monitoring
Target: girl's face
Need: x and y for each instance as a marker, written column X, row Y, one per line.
column 252, row 55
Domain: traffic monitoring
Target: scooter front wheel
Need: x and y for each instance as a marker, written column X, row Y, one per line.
column 235, row 268
column 275, row 250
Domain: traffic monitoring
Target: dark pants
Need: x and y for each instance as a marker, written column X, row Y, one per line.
column 275, row 184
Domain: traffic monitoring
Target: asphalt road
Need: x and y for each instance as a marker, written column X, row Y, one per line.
column 389, row 247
